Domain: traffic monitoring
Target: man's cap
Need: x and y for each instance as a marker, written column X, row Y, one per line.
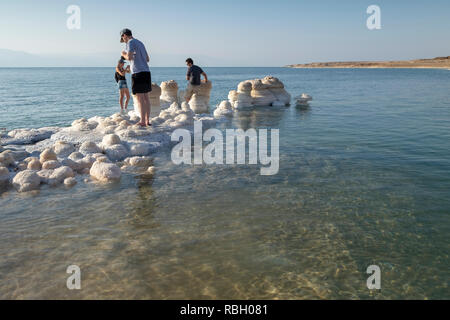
column 126, row 32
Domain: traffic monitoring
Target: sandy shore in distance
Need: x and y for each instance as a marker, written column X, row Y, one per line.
column 436, row 63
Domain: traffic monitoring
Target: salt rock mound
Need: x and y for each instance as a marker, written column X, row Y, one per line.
column 34, row 164
column 76, row 156
column 268, row 91
column 138, row 162
column 51, row 164
column 224, row 109
column 105, row 172
column 63, row 149
column 261, row 95
column 155, row 95
column 70, row 182
column 242, row 97
column 175, row 116
column 4, row 176
column 75, row 166
column 89, row 147
column 44, row 175
column 155, row 103
column 26, row 180
column 29, row 136
column 84, row 125
column 60, row 174
column 47, row 155
column 110, row 140
column 116, row 152
column 199, row 102
column 169, row 92
column 303, row 100
column 7, row 159
column 276, row 87
column 140, row 149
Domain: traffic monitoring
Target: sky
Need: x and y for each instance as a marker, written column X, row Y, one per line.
column 223, row 33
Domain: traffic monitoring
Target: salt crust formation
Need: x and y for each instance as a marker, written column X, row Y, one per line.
column 97, row 147
column 268, row 91
column 102, row 147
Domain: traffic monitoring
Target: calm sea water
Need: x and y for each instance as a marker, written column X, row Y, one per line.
column 364, row 179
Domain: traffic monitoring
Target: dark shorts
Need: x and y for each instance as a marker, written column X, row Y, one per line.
column 141, row 82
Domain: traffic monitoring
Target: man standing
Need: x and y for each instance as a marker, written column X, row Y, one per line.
column 141, row 80
column 193, row 76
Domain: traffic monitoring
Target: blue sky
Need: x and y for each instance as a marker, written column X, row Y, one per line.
column 229, row 32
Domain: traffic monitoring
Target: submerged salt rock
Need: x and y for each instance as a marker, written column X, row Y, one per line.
column 63, row 149
column 4, row 176
column 72, row 164
column 116, row 152
column 224, row 109
column 61, row 173
column 47, row 155
column 87, row 161
column 51, row 164
column 110, row 140
column 34, row 164
column 138, row 161
column 303, row 100
column 44, row 175
column 26, row 180
column 105, row 172
column 89, row 147
column 70, row 182
column 6, row 158
column 278, row 104
column 151, row 170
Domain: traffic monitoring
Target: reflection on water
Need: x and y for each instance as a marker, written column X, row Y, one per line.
column 352, row 191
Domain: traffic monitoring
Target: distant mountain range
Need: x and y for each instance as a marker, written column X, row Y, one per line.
column 435, row 63
column 11, row 58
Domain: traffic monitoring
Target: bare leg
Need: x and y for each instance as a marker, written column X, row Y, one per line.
column 147, row 108
column 141, row 102
column 121, row 94
column 127, row 96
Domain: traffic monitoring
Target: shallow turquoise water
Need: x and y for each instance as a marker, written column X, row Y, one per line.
column 364, row 179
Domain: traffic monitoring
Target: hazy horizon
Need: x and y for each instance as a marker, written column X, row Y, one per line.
column 223, row 34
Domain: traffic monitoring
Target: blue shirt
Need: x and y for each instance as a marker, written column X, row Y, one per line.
column 139, row 62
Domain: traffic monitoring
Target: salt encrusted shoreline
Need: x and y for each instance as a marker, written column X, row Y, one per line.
column 102, row 147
